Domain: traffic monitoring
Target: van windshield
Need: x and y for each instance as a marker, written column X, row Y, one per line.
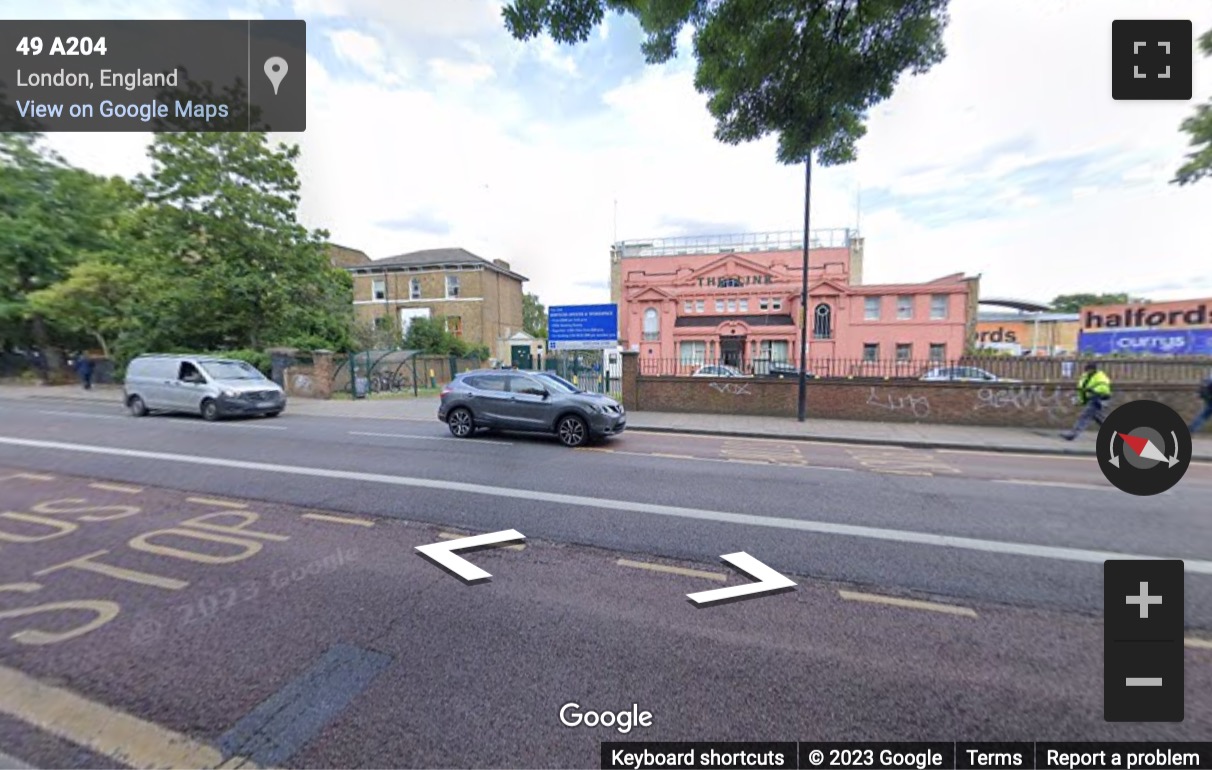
column 231, row 370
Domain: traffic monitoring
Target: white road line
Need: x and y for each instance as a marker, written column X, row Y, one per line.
column 83, row 414
column 1198, row 644
column 717, row 459
column 427, row 438
column 224, row 425
column 912, row 604
column 1062, row 484
column 1198, row 566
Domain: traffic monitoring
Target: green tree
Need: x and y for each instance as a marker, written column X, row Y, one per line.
column 52, row 217
column 1199, row 127
column 429, row 335
column 1072, row 303
column 534, row 316
column 807, row 71
column 95, row 299
column 232, row 265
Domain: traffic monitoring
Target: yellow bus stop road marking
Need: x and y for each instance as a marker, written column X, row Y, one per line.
column 214, row 501
column 456, row 536
column 124, row 738
column 1198, row 644
column 912, row 604
column 339, row 519
column 673, row 570
column 108, row 487
column 29, row 476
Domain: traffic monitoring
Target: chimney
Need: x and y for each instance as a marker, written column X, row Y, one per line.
column 501, row 264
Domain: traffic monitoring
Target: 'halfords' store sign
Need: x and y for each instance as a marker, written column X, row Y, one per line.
column 1160, row 328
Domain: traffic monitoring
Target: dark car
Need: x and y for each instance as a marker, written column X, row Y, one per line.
column 536, row 402
column 782, row 371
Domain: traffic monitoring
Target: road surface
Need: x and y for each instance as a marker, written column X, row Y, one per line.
column 249, row 592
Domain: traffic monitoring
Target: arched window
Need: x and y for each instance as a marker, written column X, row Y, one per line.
column 652, row 324
column 822, row 322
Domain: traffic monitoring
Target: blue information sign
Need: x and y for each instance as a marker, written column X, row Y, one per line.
column 1147, row 342
column 582, row 327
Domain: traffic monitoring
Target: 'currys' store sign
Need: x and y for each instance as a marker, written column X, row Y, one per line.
column 1155, row 328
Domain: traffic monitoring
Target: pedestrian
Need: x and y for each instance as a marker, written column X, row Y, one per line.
column 1093, row 392
column 1205, row 392
column 84, row 367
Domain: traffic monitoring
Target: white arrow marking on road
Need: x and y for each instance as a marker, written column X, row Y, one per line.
column 444, row 553
column 768, row 580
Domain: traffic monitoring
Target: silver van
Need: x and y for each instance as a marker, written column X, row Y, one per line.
column 211, row 387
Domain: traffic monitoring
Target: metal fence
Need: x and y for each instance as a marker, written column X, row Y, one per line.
column 592, row 378
column 378, row 372
column 1026, row 369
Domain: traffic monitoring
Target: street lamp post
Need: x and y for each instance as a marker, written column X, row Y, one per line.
column 803, row 396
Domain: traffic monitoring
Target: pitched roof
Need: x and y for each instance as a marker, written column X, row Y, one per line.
column 438, row 258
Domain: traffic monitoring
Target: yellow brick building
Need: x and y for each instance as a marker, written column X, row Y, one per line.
column 480, row 300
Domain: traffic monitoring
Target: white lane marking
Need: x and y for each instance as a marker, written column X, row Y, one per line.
column 427, row 438
column 1199, row 566
column 912, row 604
column 83, row 414
column 225, row 424
column 1198, row 644
column 1061, row 484
column 716, row 459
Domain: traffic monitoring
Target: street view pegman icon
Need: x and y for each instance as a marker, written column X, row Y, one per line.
column 275, row 70
column 1144, row 448
column 1151, row 59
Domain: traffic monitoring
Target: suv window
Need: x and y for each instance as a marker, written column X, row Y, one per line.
column 487, row 382
column 526, row 385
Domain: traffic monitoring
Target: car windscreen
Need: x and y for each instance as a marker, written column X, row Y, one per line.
column 231, row 370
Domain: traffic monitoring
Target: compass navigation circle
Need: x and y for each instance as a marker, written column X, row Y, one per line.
column 1144, row 448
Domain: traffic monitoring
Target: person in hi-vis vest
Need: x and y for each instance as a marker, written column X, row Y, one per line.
column 1093, row 393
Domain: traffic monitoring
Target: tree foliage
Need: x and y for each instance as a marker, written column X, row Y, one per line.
column 807, row 71
column 429, row 335
column 1073, row 303
column 534, row 316
column 1199, row 126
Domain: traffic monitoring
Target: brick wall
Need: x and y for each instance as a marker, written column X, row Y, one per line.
column 1035, row 405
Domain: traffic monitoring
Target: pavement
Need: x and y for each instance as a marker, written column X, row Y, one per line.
column 920, row 435
column 247, row 593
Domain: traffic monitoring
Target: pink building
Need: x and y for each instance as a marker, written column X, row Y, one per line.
column 736, row 300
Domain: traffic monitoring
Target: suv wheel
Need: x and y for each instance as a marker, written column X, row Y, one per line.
column 460, row 423
column 573, row 431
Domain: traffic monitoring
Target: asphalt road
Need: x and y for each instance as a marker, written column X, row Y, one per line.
column 316, row 605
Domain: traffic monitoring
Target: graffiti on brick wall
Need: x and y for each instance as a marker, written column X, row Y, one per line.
column 302, row 384
column 886, row 399
column 1050, row 402
column 732, row 388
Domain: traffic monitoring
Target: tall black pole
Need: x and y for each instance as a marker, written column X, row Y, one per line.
column 804, row 296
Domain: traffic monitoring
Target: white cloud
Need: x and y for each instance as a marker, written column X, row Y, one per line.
column 512, row 181
column 240, row 15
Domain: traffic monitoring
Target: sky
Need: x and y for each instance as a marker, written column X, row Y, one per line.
column 429, row 126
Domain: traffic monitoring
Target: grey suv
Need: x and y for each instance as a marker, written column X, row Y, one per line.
column 528, row 401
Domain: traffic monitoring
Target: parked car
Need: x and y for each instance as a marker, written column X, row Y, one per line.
column 782, row 371
column 719, row 370
column 211, row 387
column 536, row 402
column 962, row 374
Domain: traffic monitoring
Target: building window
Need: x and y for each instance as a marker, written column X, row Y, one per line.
column 652, row 325
column 871, row 308
column 693, row 352
column 744, row 305
column 904, row 307
column 729, row 283
column 378, row 288
column 699, row 306
column 688, row 306
column 719, row 306
column 904, row 351
column 452, row 286
column 380, row 323
column 414, row 288
column 777, row 351
column 776, row 304
column 822, row 322
column 732, row 306
column 938, row 307
column 454, row 325
column 871, row 351
column 938, row 351
column 764, row 303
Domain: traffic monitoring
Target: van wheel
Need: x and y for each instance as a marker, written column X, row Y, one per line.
column 572, row 431
column 137, row 407
column 210, row 410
